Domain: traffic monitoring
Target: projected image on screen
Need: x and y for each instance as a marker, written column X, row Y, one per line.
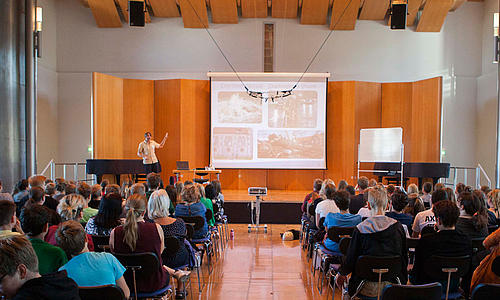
column 276, row 129
column 238, row 107
column 296, row 111
column 290, row 144
column 232, row 143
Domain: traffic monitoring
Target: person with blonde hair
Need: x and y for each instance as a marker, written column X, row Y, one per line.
column 412, row 189
column 137, row 236
column 494, row 202
column 192, row 207
column 322, row 191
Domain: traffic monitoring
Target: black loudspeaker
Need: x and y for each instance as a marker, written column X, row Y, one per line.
column 136, row 15
column 398, row 17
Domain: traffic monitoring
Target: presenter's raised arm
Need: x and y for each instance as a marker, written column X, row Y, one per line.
column 164, row 140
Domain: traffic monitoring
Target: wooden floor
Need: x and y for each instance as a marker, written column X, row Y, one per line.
column 260, row 266
column 272, row 195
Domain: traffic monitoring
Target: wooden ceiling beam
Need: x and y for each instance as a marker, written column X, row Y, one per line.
column 224, row 11
column 105, row 13
column 314, row 12
column 254, row 8
column 285, row 9
column 190, row 17
column 374, row 10
column 165, row 8
column 456, row 4
column 413, row 7
column 344, row 14
column 433, row 15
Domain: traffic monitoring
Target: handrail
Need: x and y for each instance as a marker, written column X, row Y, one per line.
column 479, row 169
column 75, row 166
column 47, row 166
column 485, row 175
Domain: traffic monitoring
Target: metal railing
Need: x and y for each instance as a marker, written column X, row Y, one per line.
column 478, row 171
column 52, row 165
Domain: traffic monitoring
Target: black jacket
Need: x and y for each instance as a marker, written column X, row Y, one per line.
column 52, row 286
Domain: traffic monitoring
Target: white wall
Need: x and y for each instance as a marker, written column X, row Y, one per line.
column 372, row 52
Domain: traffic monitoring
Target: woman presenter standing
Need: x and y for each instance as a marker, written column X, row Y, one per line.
column 147, row 152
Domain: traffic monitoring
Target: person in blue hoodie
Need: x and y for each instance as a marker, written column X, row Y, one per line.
column 340, row 219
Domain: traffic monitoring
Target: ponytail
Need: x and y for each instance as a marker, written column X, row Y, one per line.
column 474, row 207
column 134, row 207
column 70, row 207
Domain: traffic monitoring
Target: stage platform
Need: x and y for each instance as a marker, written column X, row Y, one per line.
column 278, row 207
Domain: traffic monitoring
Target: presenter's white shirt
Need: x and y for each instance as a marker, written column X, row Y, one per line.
column 326, row 206
column 148, row 150
column 422, row 219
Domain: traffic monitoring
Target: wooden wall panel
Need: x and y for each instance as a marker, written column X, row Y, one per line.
column 224, row 11
column 107, row 98
column 344, row 14
column 247, row 178
column 167, row 119
column 105, row 13
column 397, row 110
column 374, row 10
column 254, row 8
column 164, row 8
column 190, row 16
column 284, row 9
column 426, row 120
column 413, row 7
column 138, row 115
column 314, row 12
column 433, row 15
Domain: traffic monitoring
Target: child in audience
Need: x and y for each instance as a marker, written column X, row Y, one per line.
column 426, row 197
column 378, row 235
column 35, row 222
column 399, row 201
column 8, row 219
column 84, row 190
column 88, row 268
column 20, row 278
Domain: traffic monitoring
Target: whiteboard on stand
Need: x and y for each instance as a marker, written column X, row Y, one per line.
column 380, row 145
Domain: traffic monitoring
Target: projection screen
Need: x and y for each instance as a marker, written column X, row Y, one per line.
column 284, row 133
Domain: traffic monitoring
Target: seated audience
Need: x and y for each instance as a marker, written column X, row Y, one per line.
column 412, row 189
column 473, row 220
column 357, row 201
column 342, row 218
column 38, row 197
column 21, row 278
column 484, row 272
column 447, row 242
column 179, row 186
column 372, row 183
column 439, row 186
column 95, row 196
column 399, row 201
column 427, row 190
column 60, row 189
column 351, row 190
column 8, row 219
column 364, row 212
column 85, row 191
column 192, row 206
column 172, row 195
column 342, row 185
column 108, row 216
column 138, row 189
column 50, row 189
column 415, row 205
column 390, row 190
column 153, row 180
column 87, row 268
column 378, row 235
column 206, row 202
column 35, row 222
column 70, row 189
column 104, row 184
column 112, row 188
column 485, row 189
column 211, row 196
column 22, row 190
column 137, row 236
column 312, row 195
column 427, row 218
column 451, row 195
column 125, row 189
column 494, row 202
column 492, row 220
column 326, row 206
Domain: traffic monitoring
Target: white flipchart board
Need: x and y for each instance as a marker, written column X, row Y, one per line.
column 380, row 145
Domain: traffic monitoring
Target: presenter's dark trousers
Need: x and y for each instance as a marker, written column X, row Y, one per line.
column 156, row 167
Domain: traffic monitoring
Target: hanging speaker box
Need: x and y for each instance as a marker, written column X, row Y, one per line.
column 136, row 13
column 398, row 17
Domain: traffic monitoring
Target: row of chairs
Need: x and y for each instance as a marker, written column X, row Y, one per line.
column 141, row 265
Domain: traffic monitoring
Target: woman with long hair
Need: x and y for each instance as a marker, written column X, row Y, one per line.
column 108, row 216
column 473, row 219
column 415, row 205
column 494, row 202
column 137, row 236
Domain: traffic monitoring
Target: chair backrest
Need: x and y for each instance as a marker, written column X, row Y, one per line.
column 427, row 229
column 435, row 265
column 190, row 230
column 366, row 264
column 209, row 214
column 336, row 233
column 145, row 264
column 321, row 222
column 198, row 221
column 100, row 242
column 492, row 228
column 312, row 210
column 431, row 291
column 172, row 246
column 495, row 266
column 412, row 242
column 486, row 292
column 477, row 244
column 344, row 244
column 109, row 292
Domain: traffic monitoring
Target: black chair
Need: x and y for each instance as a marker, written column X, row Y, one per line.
column 334, row 268
column 140, row 267
column 427, row 229
column 495, row 266
column 411, row 243
column 431, row 291
column 442, row 268
column 214, row 232
column 492, row 229
column 172, row 246
column 201, row 174
column 197, row 223
column 477, row 244
column 486, row 292
column 101, row 243
column 109, row 292
column 378, row 269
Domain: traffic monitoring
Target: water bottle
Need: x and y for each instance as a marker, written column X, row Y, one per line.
column 231, row 235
